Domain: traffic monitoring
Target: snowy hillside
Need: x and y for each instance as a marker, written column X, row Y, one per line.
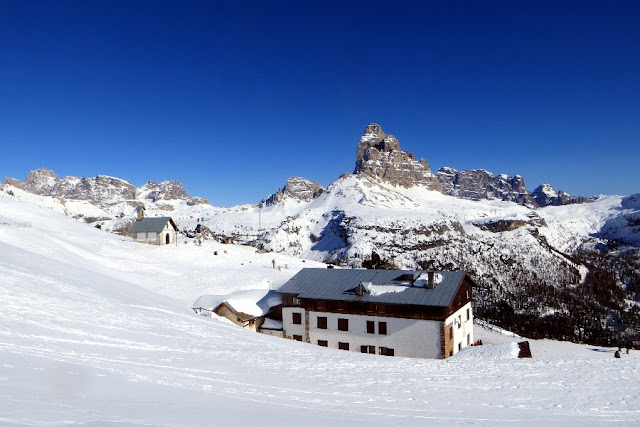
column 570, row 267
column 97, row 329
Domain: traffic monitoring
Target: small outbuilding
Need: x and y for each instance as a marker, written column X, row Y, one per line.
column 254, row 309
column 155, row 231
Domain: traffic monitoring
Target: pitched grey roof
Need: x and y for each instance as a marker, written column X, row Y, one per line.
column 149, row 225
column 331, row 284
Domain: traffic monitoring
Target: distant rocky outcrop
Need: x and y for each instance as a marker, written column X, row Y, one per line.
column 101, row 189
column 13, row 182
column 379, row 156
column 167, row 190
column 481, row 184
column 296, row 188
column 546, row 195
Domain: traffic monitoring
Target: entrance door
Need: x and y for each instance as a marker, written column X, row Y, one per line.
column 168, row 239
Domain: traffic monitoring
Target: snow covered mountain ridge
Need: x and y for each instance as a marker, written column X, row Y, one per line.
column 570, row 271
column 101, row 189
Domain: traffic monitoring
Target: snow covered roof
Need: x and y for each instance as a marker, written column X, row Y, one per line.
column 253, row 302
column 151, row 225
column 383, row 286
column 207, row 302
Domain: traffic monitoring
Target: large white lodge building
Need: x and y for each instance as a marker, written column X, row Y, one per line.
column 389, row 312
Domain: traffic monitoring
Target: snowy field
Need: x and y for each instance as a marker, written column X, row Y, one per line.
column 96, row 330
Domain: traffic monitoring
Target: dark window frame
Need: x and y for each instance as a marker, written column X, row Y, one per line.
column 343, row 346
column 368, row 349
column 296, row 318
column 382, row 328
column 297, row 338
column 385, row 351
column 343, row 324
column 321, row 322
column 371, row 327
column 323, row 343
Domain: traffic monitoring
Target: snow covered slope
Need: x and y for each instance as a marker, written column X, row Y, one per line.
column 96, row 329
column 548, row 263
column 540, row 262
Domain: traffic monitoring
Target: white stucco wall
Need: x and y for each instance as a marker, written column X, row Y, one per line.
column 407, row 337
column 168, row 229
column 462, row 327
column 287, row 322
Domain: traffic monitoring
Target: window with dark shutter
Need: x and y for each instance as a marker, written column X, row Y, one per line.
column 384, row 351
column 323, row 343
column 382, row 328
column 297, row 337
column 343, row 324
column 297, row 318
column 372, row 349
column 371, row 327
column 322, row 322
column 343, row 346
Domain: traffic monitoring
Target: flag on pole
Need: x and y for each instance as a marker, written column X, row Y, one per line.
column 198, row 220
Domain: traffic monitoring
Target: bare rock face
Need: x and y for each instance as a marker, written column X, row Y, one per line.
column 101, row 189
column 546, row 195
column 41, row 181
column 296, row 188
column 481, row 184
column 167, row 190
column 13, row 182
column 46, row 183
column 379, row 156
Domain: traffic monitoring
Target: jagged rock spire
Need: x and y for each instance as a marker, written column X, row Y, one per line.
column 379, row 156
column 296, row 188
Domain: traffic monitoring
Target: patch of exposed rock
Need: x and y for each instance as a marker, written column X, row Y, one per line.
column 546, row 195
column 13, row 183
column 46, row 183
column 100, row 189
column 480, row 184
column 167, row 190
column 379, row 156
column 501, row 225
column 296, row 188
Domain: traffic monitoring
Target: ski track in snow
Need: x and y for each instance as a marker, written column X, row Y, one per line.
column 96, row 329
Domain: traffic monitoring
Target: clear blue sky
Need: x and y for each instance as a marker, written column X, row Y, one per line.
column 233, row 97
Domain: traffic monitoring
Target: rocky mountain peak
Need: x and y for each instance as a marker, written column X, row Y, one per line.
column 167, row 190
column 481, row 184
column 100, row 189
column 546, row 195
column 374, row 137
column 40, row 181
column 379, row 156
column 296, row 188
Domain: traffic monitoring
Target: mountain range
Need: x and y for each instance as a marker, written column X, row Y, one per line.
column 545, row 263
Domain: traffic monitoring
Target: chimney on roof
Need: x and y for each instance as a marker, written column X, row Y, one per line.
column 140, row 212
column 432, row 282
